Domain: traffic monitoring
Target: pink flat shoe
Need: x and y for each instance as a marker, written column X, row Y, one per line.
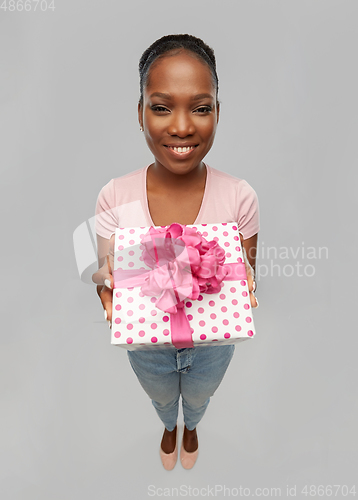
column 169, row 459
column 187, row 458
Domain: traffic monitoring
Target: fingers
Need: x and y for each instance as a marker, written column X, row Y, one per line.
column 106, row 298
column 104, row 274
column 104, row 280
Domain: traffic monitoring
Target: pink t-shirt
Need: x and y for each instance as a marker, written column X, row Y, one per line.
column 123, row 202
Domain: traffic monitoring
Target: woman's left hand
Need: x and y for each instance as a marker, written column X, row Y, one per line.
column 251, row 283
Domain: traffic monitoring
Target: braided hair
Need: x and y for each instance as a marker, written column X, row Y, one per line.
column 171, row 42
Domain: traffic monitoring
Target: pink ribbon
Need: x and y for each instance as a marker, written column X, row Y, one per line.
column 183, row 264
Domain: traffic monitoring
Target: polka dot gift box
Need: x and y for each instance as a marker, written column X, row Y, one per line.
column 179, row 286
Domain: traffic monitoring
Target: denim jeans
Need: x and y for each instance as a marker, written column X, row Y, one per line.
column 194, row 372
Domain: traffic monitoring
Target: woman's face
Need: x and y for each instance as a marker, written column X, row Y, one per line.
column 179, row 111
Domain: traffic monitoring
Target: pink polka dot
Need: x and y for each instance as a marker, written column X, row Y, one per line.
column 202, row 336
column 131, row 231
column 119, row 294
column 246, row 306
column 214, row 228
column 120, row 258
column 131, row 252
column 244, row 294
column 248, row 320
column 130, row 264
column 200, row 310
column 166, row 343
column 216, row 238
column 121, row 237
column 166, row 332
column 131, row 242
column 242, row 283
column 165, row 318
column 227, row 335
column 191, row 330
column 234, row 227
column 117, row 320
column 154, row 340
column 213, row 316
column 141, row 294
column 129, row 340
column 117, row 334
column 234, row 302
column 236, row 238
column 225, row 322
column 228, row 255
column 239, row 259
column 212, row 303
column 204, row 233
column 141, row 333
column 130, row 312
column 141, row 320
column 130, row 299
column 118, row 307
column 237, row 249
column 129, row 326
column 141, row 258
column 188, row 304
column 200, row 297
column 232, row 289
column 222, row 296
column 214, row 340
column 154, row 326
column 224, row 223
column 214, row 329
column 224, row 309
column 236, row 315
column 141, row 307
column 225, row 233
column 226, row 244
column 237, row 328
column 190, row 317
column 154, row 312
column 202, row 323
column 153, row 299
column 250, row 333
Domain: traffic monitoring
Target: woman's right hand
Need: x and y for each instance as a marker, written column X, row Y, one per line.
column 104, row 280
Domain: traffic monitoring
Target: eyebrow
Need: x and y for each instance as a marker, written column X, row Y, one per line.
column 194, row 98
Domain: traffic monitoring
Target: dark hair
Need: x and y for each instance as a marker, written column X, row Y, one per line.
column 171, row 42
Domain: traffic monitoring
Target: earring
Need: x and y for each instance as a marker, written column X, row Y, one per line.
column 141, row 128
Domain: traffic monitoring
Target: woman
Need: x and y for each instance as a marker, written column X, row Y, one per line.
column 178, row 112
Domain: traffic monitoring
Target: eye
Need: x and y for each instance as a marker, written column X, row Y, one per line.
column 158, row 108
column 204, row 109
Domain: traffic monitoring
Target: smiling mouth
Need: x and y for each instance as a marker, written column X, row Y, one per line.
column 181, row 150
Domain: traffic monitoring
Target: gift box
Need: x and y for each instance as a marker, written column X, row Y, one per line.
column 180, row 286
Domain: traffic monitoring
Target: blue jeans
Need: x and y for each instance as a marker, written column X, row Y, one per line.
column 194, row 372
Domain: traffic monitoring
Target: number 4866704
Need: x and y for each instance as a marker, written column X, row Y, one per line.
column 27, row 5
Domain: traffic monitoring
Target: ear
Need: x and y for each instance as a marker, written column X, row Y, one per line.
column 217, row 111
column 140, row 114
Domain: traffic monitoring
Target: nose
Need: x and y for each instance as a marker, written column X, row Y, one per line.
column 181, row 124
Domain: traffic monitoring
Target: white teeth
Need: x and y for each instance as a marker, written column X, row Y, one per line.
column 181, row 150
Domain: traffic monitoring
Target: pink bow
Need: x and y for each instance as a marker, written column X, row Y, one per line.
column 183, row 265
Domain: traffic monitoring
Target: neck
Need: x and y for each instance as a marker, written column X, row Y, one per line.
column 162, row 176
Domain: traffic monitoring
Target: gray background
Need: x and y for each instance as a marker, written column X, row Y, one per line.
column 75, row 422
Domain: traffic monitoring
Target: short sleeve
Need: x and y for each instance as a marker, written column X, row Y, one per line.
column 248, row 216
column 106, row 214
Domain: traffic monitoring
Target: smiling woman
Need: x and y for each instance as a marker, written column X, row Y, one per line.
column 178, row 112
